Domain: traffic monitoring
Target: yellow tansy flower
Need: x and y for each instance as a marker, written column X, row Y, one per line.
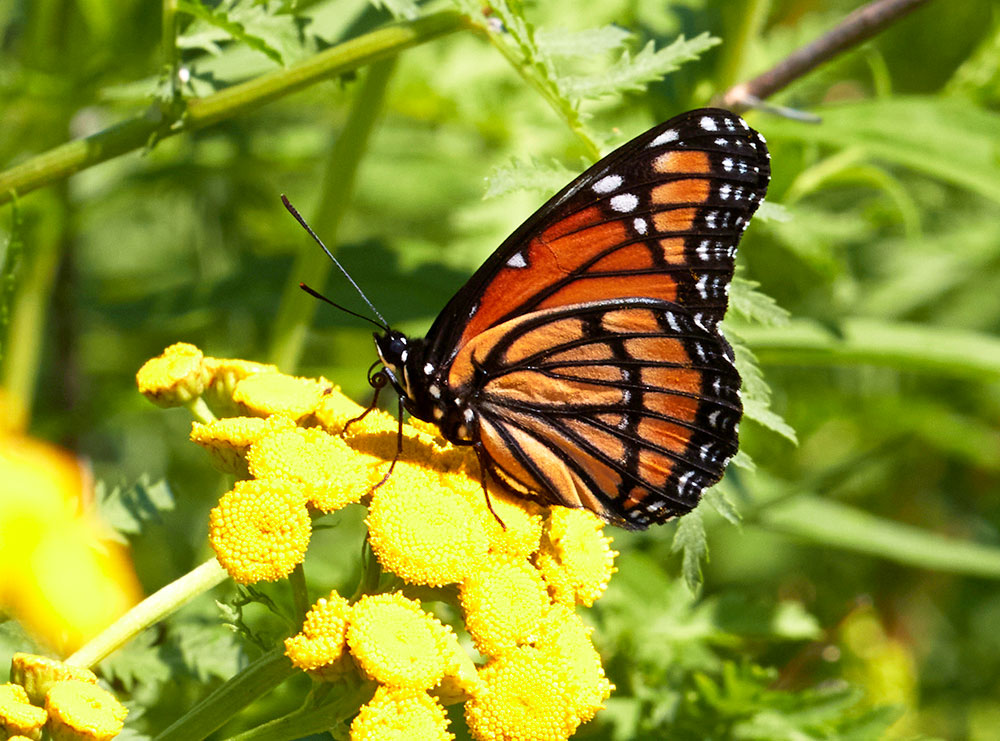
column 321, row 643
column 398, row 714
column 17, row 715
column 229, row 439
column 332, row 474
column 504, row 603
column 227, row 372
column 264, row 394
column 565, row 637
column 260, row 530
column 424, row 531
column 79, row 711
column 525, row 697
column 174, row 378
column 575, row 556
column 395, row 642
column 36, row 674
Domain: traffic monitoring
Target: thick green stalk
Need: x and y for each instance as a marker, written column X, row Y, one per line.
column 311, row 265
column 150, row 611
column 217, row 708
column 66, row 159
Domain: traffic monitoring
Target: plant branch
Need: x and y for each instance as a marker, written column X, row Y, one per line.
column 71, row 157
column 857, row 27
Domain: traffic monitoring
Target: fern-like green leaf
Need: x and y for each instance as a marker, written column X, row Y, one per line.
column 690, row 541
column 756, row 392
column 558, row 43
column 401, row 10
column 634, row 73
column 752, row 304
column 531, row 174
column 259, row 26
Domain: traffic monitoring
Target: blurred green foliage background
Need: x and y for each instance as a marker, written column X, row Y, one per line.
column 864, row 573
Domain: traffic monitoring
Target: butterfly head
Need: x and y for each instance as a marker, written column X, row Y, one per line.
column 394, row 350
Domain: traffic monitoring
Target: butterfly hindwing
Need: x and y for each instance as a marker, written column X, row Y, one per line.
column 628, row 408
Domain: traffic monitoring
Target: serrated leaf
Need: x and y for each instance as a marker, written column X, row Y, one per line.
column 208, row 649
column 744, row 461
column 532, row 174
column 560, row 43
column 722, row 504
column 690, row 540
column 634, row 73
column 772, row 212
column 755, row 305
column 401, row 10
column 129, row 509
column 259, row 26
column 762, row 414
column 140, row 663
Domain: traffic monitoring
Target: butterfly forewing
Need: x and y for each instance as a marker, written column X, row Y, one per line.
column 659, row 217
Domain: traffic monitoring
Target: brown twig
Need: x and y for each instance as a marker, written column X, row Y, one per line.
column 859, row 26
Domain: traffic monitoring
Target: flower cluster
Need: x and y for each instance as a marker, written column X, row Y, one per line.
column 62, row 699
column 515, row 570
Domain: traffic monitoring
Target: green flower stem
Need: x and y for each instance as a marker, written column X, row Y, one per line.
column 300, row 593
column 297, row 307
column 558, row 103
column 749, row 19
column 66, row 159
column 215, row 710
column 344, row 704
column 32, row 292
column 149, row 611
column 200, row 410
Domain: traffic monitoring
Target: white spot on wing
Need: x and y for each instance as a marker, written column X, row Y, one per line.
column 429, row 368
column 624, row 203
column 701, row 285
column 607, row 184
column 725, row 190
column 727, row 164
column 640, row 226
column 517, row 261
column 708, row 123
column 670, row 135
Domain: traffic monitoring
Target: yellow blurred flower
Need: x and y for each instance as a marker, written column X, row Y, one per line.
column 575, row 557
column 174, row 378
column 320, row 645
column 265, row 394
column 331, row 474
column 395, row 642
column 504, row 603
column 58, row 575
column 80, row 711
column 400, row 714
column 260, row 530
column 17, row 715
column 424, row 530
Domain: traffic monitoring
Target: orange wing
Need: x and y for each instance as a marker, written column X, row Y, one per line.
column 658, row 218
column 628, row 408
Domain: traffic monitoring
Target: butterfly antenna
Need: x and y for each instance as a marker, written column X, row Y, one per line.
column 298, row 217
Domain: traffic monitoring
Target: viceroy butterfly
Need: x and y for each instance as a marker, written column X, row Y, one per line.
column 583, row 360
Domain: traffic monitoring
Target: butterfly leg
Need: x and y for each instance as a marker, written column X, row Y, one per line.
column 378, row 382
column 399, row 448
column 484, row 475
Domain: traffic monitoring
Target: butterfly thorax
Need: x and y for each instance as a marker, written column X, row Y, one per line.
column 422, row 389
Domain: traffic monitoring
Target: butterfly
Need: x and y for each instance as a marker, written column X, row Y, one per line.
column 583, row 361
